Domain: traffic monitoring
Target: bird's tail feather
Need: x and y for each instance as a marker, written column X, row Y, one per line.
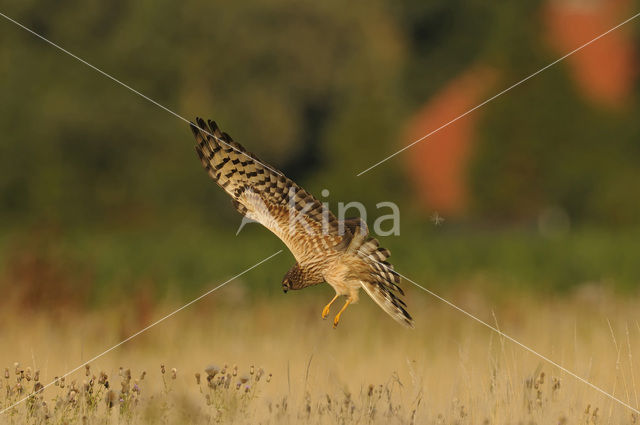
column 376, row 256
column 389, row 302
column 383, row 282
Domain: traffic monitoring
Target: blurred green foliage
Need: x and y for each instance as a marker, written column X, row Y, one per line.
column 292, row 81
column 322, row 90
column 105, row 267
column 318, row 89
column 545, row 147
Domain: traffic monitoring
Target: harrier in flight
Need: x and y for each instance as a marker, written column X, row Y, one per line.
column 339, row 252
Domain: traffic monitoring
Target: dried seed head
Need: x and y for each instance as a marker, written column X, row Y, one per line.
column 174, row 373
column 28, row 374
column 162, row 369
column 268, row 378
column 235, row 370
column 36, row 375
column 16, row 366
column 251, row 370
column 212, row 370
column 6, row 373
column 87, row 370
column 142, row 375
column 244, row 379
column 110, row 398
column 198, row 378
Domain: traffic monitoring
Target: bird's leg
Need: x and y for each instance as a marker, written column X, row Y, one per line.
column 337, row 318
column 325, row 311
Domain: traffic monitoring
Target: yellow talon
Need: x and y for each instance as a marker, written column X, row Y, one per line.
column 325, row 311
column 336, row 320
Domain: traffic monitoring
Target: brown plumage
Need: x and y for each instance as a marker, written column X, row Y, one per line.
column 340, row 253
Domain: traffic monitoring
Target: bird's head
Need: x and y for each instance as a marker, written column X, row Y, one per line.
column 293, row 279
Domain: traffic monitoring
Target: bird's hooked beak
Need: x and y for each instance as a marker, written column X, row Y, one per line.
column 285, row 289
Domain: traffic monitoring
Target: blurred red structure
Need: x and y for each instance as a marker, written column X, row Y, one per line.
column 437, row 164
column 603, row 71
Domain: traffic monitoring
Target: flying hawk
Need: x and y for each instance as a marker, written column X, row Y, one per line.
column 339, row 252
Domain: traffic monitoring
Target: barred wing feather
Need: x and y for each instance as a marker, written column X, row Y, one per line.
column 264, row 194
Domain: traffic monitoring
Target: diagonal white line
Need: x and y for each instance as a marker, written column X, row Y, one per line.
column 109, row 76
column 141, row 331
column 499, row 94
column 515, row 341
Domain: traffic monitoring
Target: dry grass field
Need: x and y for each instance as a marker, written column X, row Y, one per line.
column 275, row 361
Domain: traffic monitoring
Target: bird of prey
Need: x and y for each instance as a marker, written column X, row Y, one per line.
column 339, row 252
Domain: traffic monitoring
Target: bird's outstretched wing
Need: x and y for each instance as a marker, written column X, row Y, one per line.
column 262, row 193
